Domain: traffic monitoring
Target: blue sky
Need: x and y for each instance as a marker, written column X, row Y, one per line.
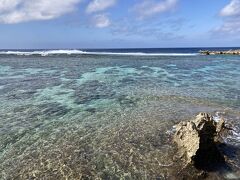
column 118, row 23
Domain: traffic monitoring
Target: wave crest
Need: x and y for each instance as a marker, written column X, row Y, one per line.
column 79, row 52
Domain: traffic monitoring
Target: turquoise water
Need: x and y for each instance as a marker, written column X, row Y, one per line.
column 108, row 116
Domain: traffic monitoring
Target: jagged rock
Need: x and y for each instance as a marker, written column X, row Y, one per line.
column 196, row 140
column 220, row 126
column 229, row 52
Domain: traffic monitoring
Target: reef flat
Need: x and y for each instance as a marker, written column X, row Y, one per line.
column 87, row 116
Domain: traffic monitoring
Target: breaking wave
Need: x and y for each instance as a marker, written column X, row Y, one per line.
column 79, row 52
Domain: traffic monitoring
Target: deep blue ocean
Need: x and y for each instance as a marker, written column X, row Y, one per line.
column 110, row 114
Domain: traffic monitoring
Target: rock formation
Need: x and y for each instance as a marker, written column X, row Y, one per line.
column 197, row 140
column 229, row 52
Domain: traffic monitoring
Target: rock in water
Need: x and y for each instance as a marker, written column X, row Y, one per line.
column 196, row 140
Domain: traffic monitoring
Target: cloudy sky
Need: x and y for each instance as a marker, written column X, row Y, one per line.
column 118, row 23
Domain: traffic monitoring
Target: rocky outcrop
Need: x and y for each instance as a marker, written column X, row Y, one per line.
column 229, row 52
column 197, row 140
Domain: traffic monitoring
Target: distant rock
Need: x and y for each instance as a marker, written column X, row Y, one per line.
column 229, row 52
column 197, row 140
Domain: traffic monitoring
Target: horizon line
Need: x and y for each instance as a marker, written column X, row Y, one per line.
column 2, row 49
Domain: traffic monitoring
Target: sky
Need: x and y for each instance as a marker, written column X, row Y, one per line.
column 54, row 24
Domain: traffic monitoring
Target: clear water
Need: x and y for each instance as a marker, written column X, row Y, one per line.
column 95, row 116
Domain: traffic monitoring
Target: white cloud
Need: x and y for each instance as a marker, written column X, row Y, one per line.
column 16, row 11
column 6, row 5
column 101, row 21
column 231, row 21
column 100, row 5
column 232, row 9
column 149, row 8
column 231, row 27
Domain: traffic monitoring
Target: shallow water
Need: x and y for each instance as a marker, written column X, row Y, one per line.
column 109, row 116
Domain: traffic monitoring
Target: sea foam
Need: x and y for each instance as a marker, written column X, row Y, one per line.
column 79, row 52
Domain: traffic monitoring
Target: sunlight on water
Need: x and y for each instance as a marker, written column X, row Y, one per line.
column 108, row 117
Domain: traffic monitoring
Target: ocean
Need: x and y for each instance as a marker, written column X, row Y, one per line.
column 110, row 114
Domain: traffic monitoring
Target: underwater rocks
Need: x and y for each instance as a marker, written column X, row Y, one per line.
column 45, row 110
column 197, row 141
column 229, row 52
column 127, row 101
column 92, row 91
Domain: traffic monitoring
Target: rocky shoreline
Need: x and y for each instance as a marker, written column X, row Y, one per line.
column 229, row 52
column 197, row 140
column 200, row 145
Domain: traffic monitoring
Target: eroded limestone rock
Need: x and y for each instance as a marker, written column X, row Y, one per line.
column 196, row 140
column 228, row 52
